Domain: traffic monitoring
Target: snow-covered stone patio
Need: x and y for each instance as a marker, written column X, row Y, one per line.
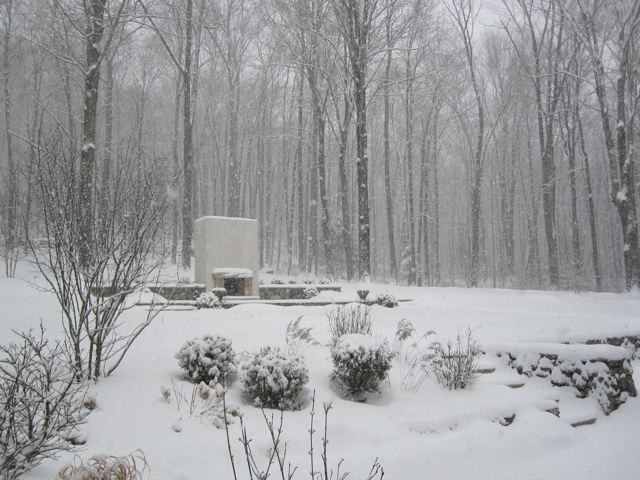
column 434, row 433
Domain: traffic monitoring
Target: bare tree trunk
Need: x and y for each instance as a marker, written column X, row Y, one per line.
column 464, row 17
column 436, row 201
column 344, row 187
column 408, row 107
column 424, row 204
column 595, row 255
column 187, row 148
column 302, row 259
column 94, row 11
column 10, row 202
column 234, row 159
column 355, row 19
column 108, row 135
column 393, row 260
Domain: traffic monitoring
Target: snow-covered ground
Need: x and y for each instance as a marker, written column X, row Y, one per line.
column 434, row 433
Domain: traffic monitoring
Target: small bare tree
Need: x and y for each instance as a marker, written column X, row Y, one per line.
column 92, row 295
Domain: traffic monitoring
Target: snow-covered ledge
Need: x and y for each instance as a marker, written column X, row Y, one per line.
column 603, row 371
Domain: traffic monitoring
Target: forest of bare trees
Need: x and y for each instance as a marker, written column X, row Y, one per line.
column 428, row 142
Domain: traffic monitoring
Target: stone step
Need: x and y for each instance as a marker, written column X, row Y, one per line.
column 582, row 423
column 515, row 385
column 485, row 370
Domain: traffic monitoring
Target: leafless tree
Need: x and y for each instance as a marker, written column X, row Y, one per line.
column 93, row 297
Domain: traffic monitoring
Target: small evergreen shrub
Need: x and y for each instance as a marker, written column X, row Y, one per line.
column 454, row 363
column 360, row 364
column 207, row 359
column 386, row 299
column 310, row 292
column 208, row 300
column 350, row 318
column 275, row 281
column 273, row 379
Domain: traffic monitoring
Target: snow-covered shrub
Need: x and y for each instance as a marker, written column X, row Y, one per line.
column 454, row 363
column 310, row 292
column 208, row 300
column 207, row 359
column 387, row 300
column 360, row 364
column 413, row 354
column 350, row 318
column 219, row 292
column 272, row 379
column 275, row 281
column 107, row 467
column 41, row 404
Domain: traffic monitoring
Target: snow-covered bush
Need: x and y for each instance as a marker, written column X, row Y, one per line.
column 41, row 404
column 454, row 363
column 310, row 292
column 387, row 300
column 360, row 364
column 207, row 359
column 350, row 318
column 208, row 300
column 107, row 467
column 272, row 379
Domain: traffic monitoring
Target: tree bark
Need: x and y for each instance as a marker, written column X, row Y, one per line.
column 94, row 11
column 187, row 146
column 393, row 260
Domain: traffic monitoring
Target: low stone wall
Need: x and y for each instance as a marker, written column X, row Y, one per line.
column 179, row 292
column 292, row 291
column 631, row 343
column 169, row 292
column 601, row 371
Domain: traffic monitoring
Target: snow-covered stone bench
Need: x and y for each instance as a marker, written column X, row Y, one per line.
column 602, row 371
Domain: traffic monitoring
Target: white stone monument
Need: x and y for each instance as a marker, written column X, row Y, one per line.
column 226, row 254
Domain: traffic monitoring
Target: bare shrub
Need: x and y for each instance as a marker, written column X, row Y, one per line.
column 277, row 453
column 350, row 318
column 107, row 467
column 41, row 404
column 454, row 363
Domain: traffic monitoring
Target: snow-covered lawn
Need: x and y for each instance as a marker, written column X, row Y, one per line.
column 434, row 433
